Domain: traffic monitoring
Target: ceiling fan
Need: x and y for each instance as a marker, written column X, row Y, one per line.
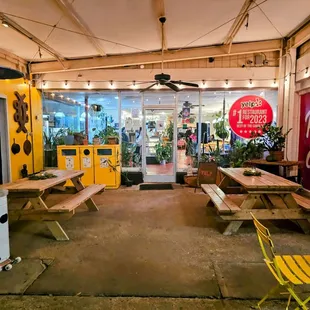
column 163, row 78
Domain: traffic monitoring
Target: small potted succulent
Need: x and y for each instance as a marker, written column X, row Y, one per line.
column 274, row 140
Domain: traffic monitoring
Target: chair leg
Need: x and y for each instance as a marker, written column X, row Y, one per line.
column 302, row 304
column 271, row 292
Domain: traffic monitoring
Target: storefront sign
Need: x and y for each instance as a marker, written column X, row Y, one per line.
column 249, row 113
column 304, row 139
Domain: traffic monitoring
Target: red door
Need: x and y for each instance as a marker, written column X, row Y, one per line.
column 304, row 138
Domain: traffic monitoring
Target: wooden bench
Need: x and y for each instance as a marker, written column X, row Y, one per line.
column 221, row 201
column 72, row 202
column 302, row 201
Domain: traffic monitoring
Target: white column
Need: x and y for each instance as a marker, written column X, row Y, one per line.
column 290, row 107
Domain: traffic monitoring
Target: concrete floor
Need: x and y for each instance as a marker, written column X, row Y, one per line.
column 149, row 244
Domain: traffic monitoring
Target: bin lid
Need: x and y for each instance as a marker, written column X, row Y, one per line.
column 3, row 192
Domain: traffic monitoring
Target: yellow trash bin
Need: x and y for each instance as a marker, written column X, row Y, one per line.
column 107, row 165
column 87, row 164
column 68, row 158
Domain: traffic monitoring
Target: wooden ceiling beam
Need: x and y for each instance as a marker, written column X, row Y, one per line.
column 238, row 23
column 300, row 37
column 69, row 11
column 15, row 26
column 155, row 57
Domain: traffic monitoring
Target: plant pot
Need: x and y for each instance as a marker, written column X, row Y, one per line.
column 96, row 141
column 85, row 141
column 129, row 183
column 277, row 155
column 112, row 140
column 69, row 140
column 163, row 162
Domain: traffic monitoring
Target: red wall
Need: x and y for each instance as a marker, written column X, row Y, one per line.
column 304, row 138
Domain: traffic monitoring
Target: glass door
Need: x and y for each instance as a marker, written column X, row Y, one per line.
column 159, row 144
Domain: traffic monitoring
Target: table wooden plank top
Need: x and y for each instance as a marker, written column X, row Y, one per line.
column 266, row 182
column 282, row 163
column 26, row 185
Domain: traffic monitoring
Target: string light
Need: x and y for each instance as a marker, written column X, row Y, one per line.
column 66, row 84
column 112, row 86
column 61, row 96
column 250, row 83
column 88, row 85
column 44, row 83
column 307, row 72
column 5, row 24
column 53, row 95
column 134, row 86
column 274, row 84
column 203, row 84
column 226, row 84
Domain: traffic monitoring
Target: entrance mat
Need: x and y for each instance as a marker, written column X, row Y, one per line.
column 249, row 280
column 22, row 275
column 156, row 186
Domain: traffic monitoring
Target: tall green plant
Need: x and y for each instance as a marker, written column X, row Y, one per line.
column 169, row 131
column 163, row 151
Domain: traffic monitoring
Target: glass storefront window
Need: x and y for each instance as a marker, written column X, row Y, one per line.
column 131, row 129
column 188, row 128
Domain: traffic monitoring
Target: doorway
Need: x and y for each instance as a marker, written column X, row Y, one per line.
column 4, row 144
column 159, row 144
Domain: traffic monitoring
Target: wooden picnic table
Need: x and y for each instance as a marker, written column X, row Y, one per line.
column 33, row 194
column 275, row 193
column 274, row 166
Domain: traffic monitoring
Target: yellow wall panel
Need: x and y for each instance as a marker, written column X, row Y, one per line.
column 34, row 160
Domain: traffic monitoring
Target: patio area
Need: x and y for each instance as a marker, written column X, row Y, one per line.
column 164, row 244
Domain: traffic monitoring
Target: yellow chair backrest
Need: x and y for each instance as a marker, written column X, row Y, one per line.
column 266, row 244
column 264, row 239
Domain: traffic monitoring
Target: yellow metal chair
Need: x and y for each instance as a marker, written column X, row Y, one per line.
column 289, row 270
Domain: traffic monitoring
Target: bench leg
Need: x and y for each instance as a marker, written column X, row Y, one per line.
column 292, row 204
column 232, row 228
column 79, row 187
column 57, row 230
column 91, row 205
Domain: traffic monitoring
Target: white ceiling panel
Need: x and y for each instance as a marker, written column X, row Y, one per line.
column 188, row 20
column 285, row 15
column 130, row 22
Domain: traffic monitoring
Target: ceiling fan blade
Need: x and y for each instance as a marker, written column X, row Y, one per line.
column 140, row 83
column 145, row 89
column 185, row 83
column 172, row 86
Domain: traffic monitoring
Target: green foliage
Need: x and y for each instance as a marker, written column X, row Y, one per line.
column 109, row 131
column 273, row 137
column 126, row 154
column 169, row 131
column 163, row 151
column 220, row 126
column 241, row 152
column 52, row 140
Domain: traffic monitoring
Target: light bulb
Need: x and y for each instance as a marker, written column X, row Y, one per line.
column 111, row 86
column 88, row 85
column 66, row 84
column 226, row 84
column 5, row 24
column 134, row 86
column 203, row 85
column 250, row 83
column 307, row 72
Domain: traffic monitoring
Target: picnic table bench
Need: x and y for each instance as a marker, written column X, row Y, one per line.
column 276, row 195
column 33, row 194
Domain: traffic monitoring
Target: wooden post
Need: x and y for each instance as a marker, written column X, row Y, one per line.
column 86, row 116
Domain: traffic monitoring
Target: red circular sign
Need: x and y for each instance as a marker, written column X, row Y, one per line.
column 247, row 114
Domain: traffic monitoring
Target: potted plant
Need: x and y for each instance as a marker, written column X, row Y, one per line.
column 128, row 182
column 163, row 152
column 96, row 138
column 69, row 138
column 273, row 140
column 109, row 135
